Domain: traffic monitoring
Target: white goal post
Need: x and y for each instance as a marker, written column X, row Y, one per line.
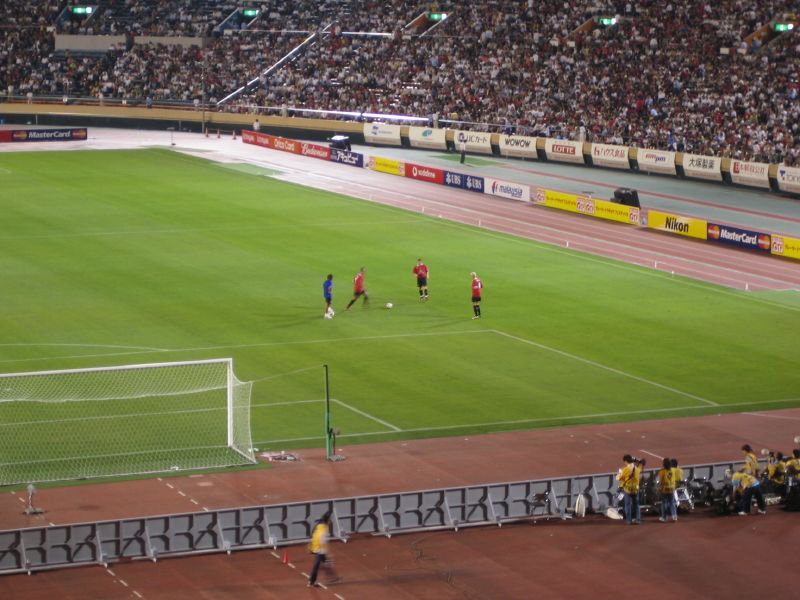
column 123, row 420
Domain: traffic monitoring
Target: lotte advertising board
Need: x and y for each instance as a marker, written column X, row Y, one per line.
column 564, row 151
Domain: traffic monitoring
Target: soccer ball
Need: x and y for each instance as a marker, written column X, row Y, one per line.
column 330, row 314
column 389, row 305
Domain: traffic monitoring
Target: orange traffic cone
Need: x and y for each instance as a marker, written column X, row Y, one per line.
column 286, row 557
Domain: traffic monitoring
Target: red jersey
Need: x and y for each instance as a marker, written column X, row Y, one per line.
column 476, row 287
column 358, row 282
column 420, row 270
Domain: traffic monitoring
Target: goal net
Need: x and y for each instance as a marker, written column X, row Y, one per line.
column 126, row 420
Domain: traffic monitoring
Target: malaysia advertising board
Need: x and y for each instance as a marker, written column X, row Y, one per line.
column 607, row 155
column 353, row 159
column 427, row 137
column 789, row 179
column 507, row 189
column 786, row 246
column 470, row 183
column 44, row 135
column 475, row 141
column 740, row 238
column 423, row 173
column 564, row 151
column 518, row 145
column 656, row 161
column 750, row 173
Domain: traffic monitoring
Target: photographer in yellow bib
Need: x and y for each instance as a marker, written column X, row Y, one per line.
column 319, row 547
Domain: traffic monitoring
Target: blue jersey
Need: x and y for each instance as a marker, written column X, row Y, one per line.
column 327, row 289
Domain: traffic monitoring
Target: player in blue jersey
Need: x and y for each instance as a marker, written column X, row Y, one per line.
column 327, row 293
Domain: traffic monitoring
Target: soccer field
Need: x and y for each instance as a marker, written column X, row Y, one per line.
column 119, row 257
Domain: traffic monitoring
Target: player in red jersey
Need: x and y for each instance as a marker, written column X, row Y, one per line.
column 358, row 288
column 477, row 286
column 421, row 271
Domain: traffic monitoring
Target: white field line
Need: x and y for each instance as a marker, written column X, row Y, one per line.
column 754, row 414
column 605, row 367
column 527, row 421
column 367, row 415
column 58, row 345
column 256, row 345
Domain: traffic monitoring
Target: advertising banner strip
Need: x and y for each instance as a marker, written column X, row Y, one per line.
column 476, row 141
column 656, row 161
column 750, row 173
column 382, row 133
column 423, row 173
column 354, row 159
column 789, row 179
column 564, row 151
column 518, row 145
column 427, row 137
column 677, row 224
column 386, row 165
column 607, row 155
column 315, row 151
column 600, row 209
column 71, row 134
column 702, row 167
column 465, row 182
column 507, row 189
column 786, row 246
column 741, row 238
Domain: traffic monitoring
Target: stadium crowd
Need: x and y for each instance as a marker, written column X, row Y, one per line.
column 657, row 78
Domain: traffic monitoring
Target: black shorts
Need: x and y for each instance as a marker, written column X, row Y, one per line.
column 357, row 294
column 422, row 281
column 476, row 299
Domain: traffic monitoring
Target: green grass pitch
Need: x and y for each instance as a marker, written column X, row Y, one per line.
column 150, row 256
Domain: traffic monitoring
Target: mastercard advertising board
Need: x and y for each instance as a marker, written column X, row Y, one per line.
column 741, row 238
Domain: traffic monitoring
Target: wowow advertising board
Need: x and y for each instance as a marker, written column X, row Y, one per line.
column 518, row 145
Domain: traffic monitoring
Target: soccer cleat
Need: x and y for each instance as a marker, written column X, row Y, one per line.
column 309, row 584
column 742, row 513
column 762, row 512
column 476, row 317
column 662, row 519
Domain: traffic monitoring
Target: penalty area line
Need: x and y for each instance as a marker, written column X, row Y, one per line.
column 605, row 367
column 367, row 415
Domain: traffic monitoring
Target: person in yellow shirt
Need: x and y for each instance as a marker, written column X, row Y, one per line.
column 666, row 487
column 776, row 472
column 319, row 547
column 629, row 477
column 750, row 461
column 746, row 486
